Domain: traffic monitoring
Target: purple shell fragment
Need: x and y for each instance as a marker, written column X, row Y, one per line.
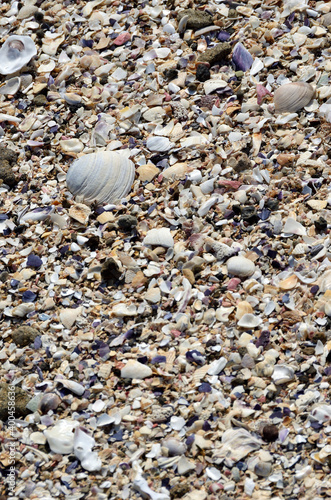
column 241, row 58
column 34, row 261
column 28, row 296
column 223, row 36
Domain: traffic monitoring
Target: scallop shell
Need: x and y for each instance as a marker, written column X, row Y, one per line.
column 293, row 96
column 104, row 177
column 240, row 266
column 15, row 53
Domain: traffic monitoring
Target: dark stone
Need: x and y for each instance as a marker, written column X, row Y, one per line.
column 197, row 19
column 248, row 214
column 243, row 163
column 8, row 154
column 21, row 399
column 24, row 335
column 216, row 54
column 272, row 204
column 4, row 275
column 40, row 33
column 6, row 173
column 40, row 100
column 179, row 490
column 170, row 74
column 270, row 433
column 93, row 242
column 127, row 222
column 202, row 73
column 110, row 271
column 321, row 225
column 39, row 16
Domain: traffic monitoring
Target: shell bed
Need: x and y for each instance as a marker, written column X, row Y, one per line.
column 165, row 252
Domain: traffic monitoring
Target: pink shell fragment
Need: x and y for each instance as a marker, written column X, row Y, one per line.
column 261, row 92
column 231, row 184
column 233, row 283
column 122, row 38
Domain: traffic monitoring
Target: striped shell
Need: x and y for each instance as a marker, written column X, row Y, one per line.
column 293, row 96
column 104, row 177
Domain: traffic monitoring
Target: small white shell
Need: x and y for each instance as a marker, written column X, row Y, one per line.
column 240, row 266
column 104, row 177
column 11, row 86
column 159, row 237
column 293, row 96
column 174, row 446
column 249, row 320
column 158, row 144
column 61, row 438
column 211, row 85
column 282, row 374
column 294, row 227
column 72, row 386
column 83, row 444
column 15, row 53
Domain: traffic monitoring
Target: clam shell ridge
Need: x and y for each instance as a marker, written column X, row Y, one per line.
column 15, row 53
column 104, row 177
column 293, row 96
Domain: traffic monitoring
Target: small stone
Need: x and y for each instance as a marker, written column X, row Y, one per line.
column 188, row 273
column 241, row 163
column 170, row 73
column 263, row 469
column 127, row 222
column 24, row 335
column 216, row 54
column 6, row 174
column 161, row 414
column 21, row 399
column 248, row 214
column 134, row 369
column 284, row 159
column 110, row 271
column 8, row 154
column 270, row 433
column 179, row 490
column 197, row 19
column 321, row 225
column 203, row 72
column 40, row 100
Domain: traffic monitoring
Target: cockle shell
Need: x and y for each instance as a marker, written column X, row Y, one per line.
column 104, row 177
column 293, row 96
column 15, row 53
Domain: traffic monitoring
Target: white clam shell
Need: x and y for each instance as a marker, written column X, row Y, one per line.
column 282, row 374
column 211, row 85
column 293, row 96
column 249, row 320
column 159, row 237
column 294, row 227
column 72, row 386
column 15, row 53
column 104, row 177
column 240, row 266
column 11, row 86
column 158, row 144
column 134, row 369
column 236, row 444
column 174, row 446
column 61, row 438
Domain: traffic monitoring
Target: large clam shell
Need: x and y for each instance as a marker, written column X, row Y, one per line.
column 293, row 96
column 104, row 177
column 15, row 53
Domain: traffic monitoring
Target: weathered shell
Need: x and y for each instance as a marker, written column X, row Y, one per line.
column 282, row 374
column 83, row 444
column 15, row 53
column 159, row 237
column 240, row 266
column 11, row 86
column 293, row 96
column 104, row 177
column 60, row 437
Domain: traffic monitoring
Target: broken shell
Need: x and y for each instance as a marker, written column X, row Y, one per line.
column 72, row 386
column 11, row 86
column 159, row 237
column 236, row 444
column 83, row 444
column 61, row 438
column 282, row 374
column 293, row 96
column 104, row 177
column 249, row 321
column 49, row 401
column 240, row 266
column 294, row 227
column 243, row 308
column 174, row 447
column 15, row 53
column 158, row 144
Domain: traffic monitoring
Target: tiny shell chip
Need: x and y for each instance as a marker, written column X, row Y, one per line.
column 159, row 237
column 80, row 213
column 104, row 177
column 292, row 97
column 15, row 53
column 240, row 266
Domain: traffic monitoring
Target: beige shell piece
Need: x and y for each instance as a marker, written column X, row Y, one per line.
column 288, row 283
column 243, row 307
column 293, row 96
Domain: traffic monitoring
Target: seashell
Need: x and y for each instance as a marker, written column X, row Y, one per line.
column 158, row 144
column 121, row 310
column 240, row 266
column 159, row 237
column 293, row 96
column 61, row 438
column 69, row 316
column 242, row 59
column 83, row 444
column 174, row 447
column 22, row 310
column 49, row 401
column 80, row 213
column 72, row 386
column 321, row 413
column 249, row 321
column 282, row 374
column 288, row 283
column 11, row 86
column 243, row 308
column 71, row 146
column 37, row 214
column 15, row 53
column 306, row 277
column 300, row 249
column 134, row 369
column 176, row 171
column 212, row 85
column 104, row 177
column 153, row 295
column 236, row 444
column 141, row 485
column 294, row 227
